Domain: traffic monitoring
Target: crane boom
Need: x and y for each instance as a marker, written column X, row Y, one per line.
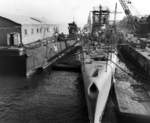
column 125, row 7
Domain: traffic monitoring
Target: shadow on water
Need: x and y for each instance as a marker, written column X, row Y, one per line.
column 47, row 97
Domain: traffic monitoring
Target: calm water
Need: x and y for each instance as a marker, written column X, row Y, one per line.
column 48, row 97
column 55, row 97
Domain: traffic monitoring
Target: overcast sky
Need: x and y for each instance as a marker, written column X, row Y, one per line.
column 63, row 11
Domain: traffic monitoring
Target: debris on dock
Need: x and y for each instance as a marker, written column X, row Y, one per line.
column 132, row 94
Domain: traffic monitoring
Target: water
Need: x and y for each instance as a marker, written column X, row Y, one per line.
column 48, row 97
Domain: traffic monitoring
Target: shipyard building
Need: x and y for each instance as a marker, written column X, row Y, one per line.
column 17, row 30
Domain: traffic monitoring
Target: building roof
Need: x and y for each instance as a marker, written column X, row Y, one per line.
column 23, row 20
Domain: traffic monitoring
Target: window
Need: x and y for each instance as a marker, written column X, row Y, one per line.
column 37, row 30
column 47, row 29
column 11, row 39
column 40, row 30
column 25, row 32
column 32, row 31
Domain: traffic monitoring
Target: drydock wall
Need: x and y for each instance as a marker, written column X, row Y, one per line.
column 136, row 57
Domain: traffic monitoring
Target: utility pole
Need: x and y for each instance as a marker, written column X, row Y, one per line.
column 115, row 15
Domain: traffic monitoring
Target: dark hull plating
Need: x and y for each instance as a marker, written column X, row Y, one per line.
column 12, row 65
column 32, row 57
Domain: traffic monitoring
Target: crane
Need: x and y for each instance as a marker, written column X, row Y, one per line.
column 135, row 24
column 132, row 21
column 125, row 7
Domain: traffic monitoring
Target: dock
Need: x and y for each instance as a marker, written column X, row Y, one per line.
column 132, row 93
column 140, row 57
column 94, row 72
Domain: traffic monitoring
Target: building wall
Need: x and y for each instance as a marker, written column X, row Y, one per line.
column 7, row 27
column 32, row 33
column 29, row 33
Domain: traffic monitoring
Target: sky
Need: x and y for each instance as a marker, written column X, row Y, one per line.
column 64, row 11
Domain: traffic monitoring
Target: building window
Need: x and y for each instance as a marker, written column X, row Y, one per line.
column 37, row 30
column 47, row 29
column 32, row 31
column 25, row 32
column 40, row 30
